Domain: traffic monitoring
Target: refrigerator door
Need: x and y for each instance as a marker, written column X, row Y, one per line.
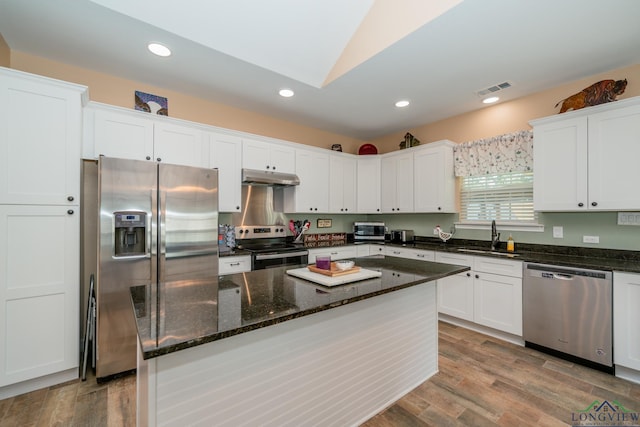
column 124, row 186
column 188, row 251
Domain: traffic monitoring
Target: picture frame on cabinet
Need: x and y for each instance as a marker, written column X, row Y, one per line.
column 151, row 103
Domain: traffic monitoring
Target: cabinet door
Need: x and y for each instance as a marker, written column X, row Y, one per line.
column 179, row 145
column 312, row 195
column 234, row 264
column 396, row 183
column 614, row 150
column 560, row 165
column 225, row 154
column 368, row 185
column 39, row 291
column 122, row 135
column 261, row 155
column 498, row 302
column 455, row 293
column 626, row 318
column 40, row 142
column 342, row 184
column 434, row 180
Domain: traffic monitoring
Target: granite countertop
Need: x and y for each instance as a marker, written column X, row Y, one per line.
column 198, row 312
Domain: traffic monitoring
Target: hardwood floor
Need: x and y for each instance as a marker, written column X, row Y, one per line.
column 482, row 382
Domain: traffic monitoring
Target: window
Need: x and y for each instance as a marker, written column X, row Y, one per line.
column 506, row 197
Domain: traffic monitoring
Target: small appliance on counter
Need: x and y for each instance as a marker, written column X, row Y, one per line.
column 368, row 231
column 402, row 236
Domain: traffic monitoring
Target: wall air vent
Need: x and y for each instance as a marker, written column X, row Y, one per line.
column 494, row 88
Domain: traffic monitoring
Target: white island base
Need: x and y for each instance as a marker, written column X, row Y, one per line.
column 337, row 367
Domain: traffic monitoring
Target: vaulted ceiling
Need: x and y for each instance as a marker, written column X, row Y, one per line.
column 347, row 61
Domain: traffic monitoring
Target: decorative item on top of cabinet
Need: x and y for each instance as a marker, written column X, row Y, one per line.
column 598, row 93
column 151, row 103
column 409, row 141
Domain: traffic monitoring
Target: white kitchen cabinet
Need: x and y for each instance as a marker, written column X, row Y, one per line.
column 39, row 291
column 363, row 249
column 587, row 159
column 342, row 183
column 368, row 184
column 410, row 253
column 136, row 135
column 434, row 183
column 489, row 295
column 335, row 252
column 40, row 139
column 312, row 195
column 180, row 145
column 626, row 318
column 272, row 157
column 40, row 147
column 234, row 264
column 225, row 154
column 396, row 182
column 455, row 293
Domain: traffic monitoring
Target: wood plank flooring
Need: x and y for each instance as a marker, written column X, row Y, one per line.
column 482, row 381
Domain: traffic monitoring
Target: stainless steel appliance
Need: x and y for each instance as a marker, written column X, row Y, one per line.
column 402, row 236
column 158, row 226
column 568, row 312
column 268, row 246
column 369, row 231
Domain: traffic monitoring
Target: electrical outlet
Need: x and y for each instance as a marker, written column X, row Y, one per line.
column 590, row 239
column 628, row 218
column 558, row 232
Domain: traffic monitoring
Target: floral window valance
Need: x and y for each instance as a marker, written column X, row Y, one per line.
column 512, row 152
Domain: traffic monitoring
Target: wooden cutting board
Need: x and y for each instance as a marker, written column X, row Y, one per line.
column 322, row 279
column 335, row 271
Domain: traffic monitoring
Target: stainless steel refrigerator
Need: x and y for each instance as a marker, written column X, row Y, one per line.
column 158, row 226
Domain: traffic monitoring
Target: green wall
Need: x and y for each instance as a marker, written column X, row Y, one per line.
column 575, row 225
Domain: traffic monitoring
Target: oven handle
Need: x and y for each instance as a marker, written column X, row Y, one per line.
column 281, row 255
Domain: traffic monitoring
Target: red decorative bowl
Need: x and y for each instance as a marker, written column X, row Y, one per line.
column 367, row 149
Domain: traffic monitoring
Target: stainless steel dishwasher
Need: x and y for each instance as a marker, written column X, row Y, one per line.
column 568, row 312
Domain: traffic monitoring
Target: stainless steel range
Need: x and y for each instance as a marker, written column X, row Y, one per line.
column 269, row 247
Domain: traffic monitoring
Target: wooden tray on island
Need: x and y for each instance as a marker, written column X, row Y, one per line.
column 334, row 270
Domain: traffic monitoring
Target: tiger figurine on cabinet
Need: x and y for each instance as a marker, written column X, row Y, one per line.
column 598, row 93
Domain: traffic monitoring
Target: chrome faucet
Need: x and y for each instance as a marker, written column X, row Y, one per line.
column 495, row 236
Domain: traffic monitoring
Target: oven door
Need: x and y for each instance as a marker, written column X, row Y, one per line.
column 263, row 260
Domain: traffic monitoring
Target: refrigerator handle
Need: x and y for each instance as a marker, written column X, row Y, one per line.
column 162, row 235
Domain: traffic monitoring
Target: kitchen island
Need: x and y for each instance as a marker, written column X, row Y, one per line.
column 266, row 348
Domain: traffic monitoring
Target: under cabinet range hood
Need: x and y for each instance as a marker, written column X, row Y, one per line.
column 275, row 179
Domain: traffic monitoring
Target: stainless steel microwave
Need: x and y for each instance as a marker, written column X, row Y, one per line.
column 370, row 231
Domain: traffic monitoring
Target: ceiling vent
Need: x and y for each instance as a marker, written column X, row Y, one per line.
column 494, row 89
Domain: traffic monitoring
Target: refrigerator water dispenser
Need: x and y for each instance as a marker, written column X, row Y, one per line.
column 130, row 233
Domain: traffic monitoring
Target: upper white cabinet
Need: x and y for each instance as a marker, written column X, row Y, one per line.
column 312, row 195
column 626, row 318
column 130, row 134
column 587, row 159
column 396, row 183
column 368, row 184
column 273, row 157
column 342, row 183
column 40, row 139
column 225, row 154
column 434, row 184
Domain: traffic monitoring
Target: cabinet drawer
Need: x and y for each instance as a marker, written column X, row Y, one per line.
column 452, row 258
column 503, row 267
column 235, row 264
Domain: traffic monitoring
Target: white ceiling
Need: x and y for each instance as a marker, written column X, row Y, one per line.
column 241, row 52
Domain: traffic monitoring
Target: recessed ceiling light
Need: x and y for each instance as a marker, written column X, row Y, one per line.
column 286, row 93
column 490, row 100
column 402, row 103
column 158, row 49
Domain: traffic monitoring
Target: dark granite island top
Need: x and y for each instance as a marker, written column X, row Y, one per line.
column 181, row 316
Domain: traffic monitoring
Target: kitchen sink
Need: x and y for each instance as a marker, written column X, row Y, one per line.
column 488, row 252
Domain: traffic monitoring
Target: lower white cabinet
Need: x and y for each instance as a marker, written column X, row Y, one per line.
column 234, row 264
column 39, row 291
column 626, row 318
column 336, row 252
column 489, row 295
column 363, row 250
column 410, row 253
